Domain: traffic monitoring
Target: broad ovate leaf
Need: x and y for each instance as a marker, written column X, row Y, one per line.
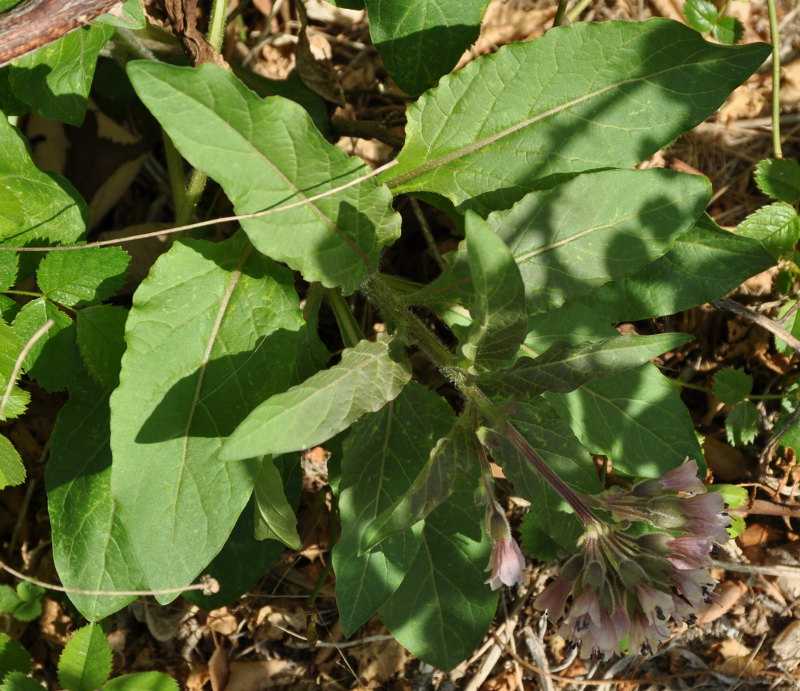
column 368, row 376
column 443, row 607
column 525, row 117
column 93, row 553
column 214, row 330
column 266, row 153
column 422, row 40
column 382, row 455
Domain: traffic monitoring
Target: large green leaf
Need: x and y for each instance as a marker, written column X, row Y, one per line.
column 56, row 78
column 565, row 248
column 91, row 548
column 274, row 516
column 267, row 153
column 35, row 208
column 498, row 311
column 442, row 608
column 563, row 368
column 382, row 455
column 448, row 463
column 101, row 342
column 422, row 40
column 367, row 377
column 214, row 330
column 525, row 117
column 706, row 263
column 142, row 681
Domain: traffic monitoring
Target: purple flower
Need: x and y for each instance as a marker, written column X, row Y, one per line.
column 506, row 563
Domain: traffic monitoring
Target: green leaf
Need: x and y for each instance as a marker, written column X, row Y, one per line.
column 728, row 30
column 741, row 424
column 132, row 16
column 732, row 385
column 8, row 599
column 142, row 681
column 54, row 359
column 310, row 413
column 9, row 265
column 93, row 553
column 536, row 542
column 214, row 330
column 56, row 78
column 240, row 564
column 706, row 263
column 267, row 153
column 101, row 342
column 779, row 178
column 24, row 603
column 776, row 227
column 702, row 15
column 450, row 460
column 383, row 454
column 612, row 104
column 10, row 348
column 85, row 662
column 13, row 657
column 421, row 41
column 565, row 249
column 17, row 681
column 36, row 208
column 274, row 516
column 443, row 607
column 82, row 277
column 563, row 368
column 500, row 318
column 12, row 471
column 636, row 418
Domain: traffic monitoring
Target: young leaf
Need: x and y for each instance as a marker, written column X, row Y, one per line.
column 93, row 553
column 85, row 662
column 12, row 471
column 612, row 104
column 423, row 40
column 54, row 359
column 732, row 385
column 310, row 413
column 274, row 516
column 101, row 342
column 13, row 657
column 17, row 681
column 79, row 278
column 728, row 30
column 706, row 263
column 775, row 226
column 443, row 607
column 214, row 330
column 702, row 15
column 56, row 78
column 564, row 249
column 267, row 153
column 128, row 15
column 563, row 368
column 382, row 455
column 500, row 318
column 741, row 424
column 779, row 179
column 30, row 601
column 35, row 208
column 142, row 681
column 449, row 462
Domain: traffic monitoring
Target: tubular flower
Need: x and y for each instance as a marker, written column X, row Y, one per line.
column 631, row 586
column 507, row 562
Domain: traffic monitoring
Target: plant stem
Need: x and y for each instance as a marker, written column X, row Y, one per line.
column 348, row 326
column 776, row 79
column 560, row 13
column 574, row 13
column 216, row 24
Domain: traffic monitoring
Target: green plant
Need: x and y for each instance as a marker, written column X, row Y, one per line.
column 186, row 412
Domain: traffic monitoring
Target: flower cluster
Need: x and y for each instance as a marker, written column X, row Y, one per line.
column 625, row 587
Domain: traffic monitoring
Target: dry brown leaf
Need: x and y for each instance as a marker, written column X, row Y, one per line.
column 380, row 661
column 222, row 621
column 218, row 669
column 253, row 675
column 726, row 595
column 53, row 623
column 786, row 646
column 736, row 660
